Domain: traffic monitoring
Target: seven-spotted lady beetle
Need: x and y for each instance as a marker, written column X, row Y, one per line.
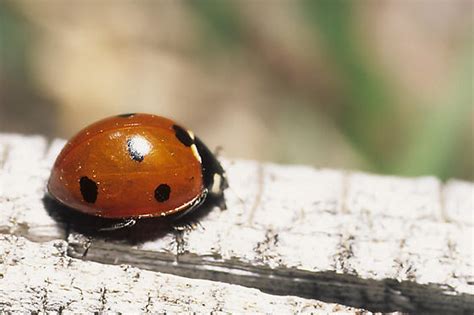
column 135, row 166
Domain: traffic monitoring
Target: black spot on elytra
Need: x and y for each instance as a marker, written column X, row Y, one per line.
column 162, row 193
column 126, row 115
column 133, row 152
column 183, row 135
column 88, row 189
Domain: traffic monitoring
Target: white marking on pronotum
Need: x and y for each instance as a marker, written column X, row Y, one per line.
column 196, row 153
column 191, row 134
column 193, row 146
column 216, row 185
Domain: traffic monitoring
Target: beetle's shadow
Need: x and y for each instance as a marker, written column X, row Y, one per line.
column 146, row 229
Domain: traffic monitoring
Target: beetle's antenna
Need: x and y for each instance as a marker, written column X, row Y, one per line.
column 218, row 151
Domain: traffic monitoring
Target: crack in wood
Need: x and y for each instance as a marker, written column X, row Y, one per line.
column 147, row 307
column 326, row 286
column 4, row 154
column 258, row 195
column 396, row 299
column 346, row 175
column 344, row 255
column 442, row 204
column 103, row 299
column 266, row 249
column 44, row 297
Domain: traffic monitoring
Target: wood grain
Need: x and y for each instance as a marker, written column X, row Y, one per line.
column 377, row 242
column 40, row 277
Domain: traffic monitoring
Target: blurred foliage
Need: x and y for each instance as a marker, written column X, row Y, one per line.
column 367, row 113
column 19, row 97
column 389, row 134
column 437, row 140
column 222, row 23
column 366, row 101
column 14, row 41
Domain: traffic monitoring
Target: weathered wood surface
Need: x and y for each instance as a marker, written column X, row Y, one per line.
column 377, row 242
column 42, row 278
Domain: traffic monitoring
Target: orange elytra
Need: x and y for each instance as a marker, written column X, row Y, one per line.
column 135, row 166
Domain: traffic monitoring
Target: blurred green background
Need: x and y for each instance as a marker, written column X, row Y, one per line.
column 381, row 86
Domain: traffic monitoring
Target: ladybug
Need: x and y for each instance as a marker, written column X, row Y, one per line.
column 135, row 166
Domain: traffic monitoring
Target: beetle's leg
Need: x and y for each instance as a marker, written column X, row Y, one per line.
column 197, row 203
column 120, row 225
column 186, row 226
